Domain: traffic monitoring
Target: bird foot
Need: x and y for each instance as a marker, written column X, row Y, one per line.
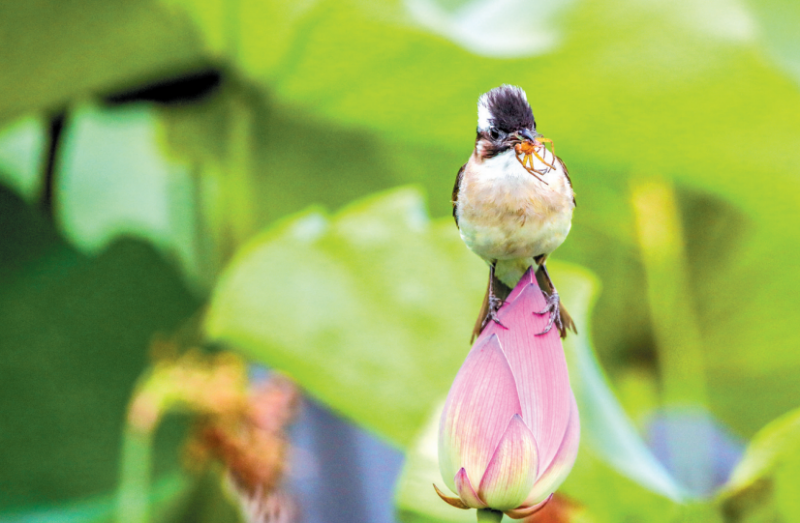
column 494, row 305
column 552, row 308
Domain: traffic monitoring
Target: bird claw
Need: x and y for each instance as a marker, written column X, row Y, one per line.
column 494, row 305
column 553, row 308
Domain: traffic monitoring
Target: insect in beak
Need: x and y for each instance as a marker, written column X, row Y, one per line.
column 533, row 146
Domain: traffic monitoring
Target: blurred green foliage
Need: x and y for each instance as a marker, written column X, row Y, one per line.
column 74, row 332
column 378, row 287
column 325, row 102
column 764, row 482
column 53, row 53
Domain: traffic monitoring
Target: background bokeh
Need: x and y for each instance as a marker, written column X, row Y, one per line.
column 275, row 178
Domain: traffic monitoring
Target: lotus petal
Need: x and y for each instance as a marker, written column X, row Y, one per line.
column 481, row 401
column 525, row 511
column 455, row 502
column 466, row 492
column 559, row 468
column 538, row 364
column 512, row 470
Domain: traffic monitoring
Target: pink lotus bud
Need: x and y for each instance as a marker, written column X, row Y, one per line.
column 509, row 431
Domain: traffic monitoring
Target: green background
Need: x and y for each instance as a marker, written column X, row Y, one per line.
column 164, row 208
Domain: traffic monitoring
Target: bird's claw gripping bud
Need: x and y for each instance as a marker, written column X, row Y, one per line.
column 552, row 307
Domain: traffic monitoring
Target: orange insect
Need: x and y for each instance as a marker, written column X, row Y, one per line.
column 527, row 150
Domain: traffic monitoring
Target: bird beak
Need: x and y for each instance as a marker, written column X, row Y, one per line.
column 525, row 135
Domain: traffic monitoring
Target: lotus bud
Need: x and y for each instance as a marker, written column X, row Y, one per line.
column 509, row 431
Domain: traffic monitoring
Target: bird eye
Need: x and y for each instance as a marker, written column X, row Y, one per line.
column 494, row 133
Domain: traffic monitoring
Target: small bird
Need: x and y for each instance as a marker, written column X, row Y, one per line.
column 513, row 202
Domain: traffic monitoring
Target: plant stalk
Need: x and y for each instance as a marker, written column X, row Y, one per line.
column 488, row 515
column 133, row 503
column 677, row 333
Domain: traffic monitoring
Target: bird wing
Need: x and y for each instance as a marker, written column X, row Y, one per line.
column 569, row 180
column 456, row 189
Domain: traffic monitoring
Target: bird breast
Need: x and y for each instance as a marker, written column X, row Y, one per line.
column 504, row 212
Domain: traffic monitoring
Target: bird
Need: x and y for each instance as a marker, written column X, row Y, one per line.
column 513, row 203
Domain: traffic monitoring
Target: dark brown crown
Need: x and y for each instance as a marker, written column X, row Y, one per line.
column 509, row 109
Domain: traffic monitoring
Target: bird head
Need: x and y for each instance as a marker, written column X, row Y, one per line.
column 505, row 119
